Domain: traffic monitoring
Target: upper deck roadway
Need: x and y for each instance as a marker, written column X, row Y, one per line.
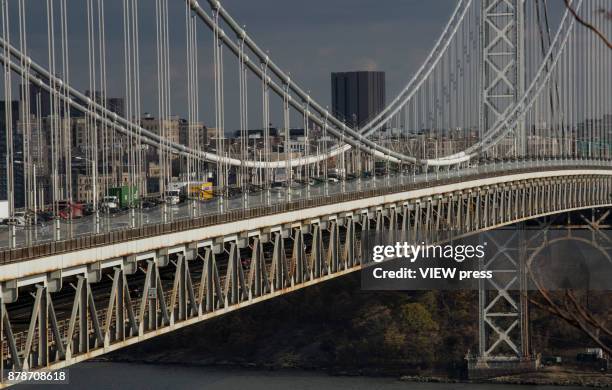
column 27, row 236
column 125, row 221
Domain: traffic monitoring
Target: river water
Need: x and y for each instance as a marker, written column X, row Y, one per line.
column 98, row 376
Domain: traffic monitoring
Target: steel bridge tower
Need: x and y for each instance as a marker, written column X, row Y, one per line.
column 502, row 67
column 503, row 347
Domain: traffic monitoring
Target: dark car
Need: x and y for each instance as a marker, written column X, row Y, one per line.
column 44, row 216
column 149, row 203
column 88, row 209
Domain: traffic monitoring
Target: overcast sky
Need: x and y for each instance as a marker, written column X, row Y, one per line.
column 310, row 39
column 314, row 38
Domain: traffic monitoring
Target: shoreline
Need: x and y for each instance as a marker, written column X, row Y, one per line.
column 584, row 379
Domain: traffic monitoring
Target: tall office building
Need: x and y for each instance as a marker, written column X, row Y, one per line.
column 39, row 100
column 357, row 96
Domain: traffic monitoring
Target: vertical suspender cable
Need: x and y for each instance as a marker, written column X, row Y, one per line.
column 160, row 100
column 66, row 120
column 54, row 120
column 190, row 81
column 104, row 180
column 287, row 147
column 95, row 97
column 135, row 151
column 220, row 183
column 127, row 61
column 166, row 46
column 265, row 100
column 8, row 118
column 25, row 109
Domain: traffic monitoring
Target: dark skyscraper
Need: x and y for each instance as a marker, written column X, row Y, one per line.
column 38, row 95
column 357, row 96
column 116, row 105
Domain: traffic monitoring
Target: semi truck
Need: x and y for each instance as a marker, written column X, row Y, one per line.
column 197, row 190
column 126, row 195
column 67, row 209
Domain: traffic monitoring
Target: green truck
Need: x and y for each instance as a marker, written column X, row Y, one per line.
column 126, row 195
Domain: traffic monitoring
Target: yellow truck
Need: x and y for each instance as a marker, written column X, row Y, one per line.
column 201, row 191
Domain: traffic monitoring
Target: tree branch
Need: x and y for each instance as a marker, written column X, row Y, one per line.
column 587, row 315
column 568, row 314
column 586, row 330
column 586, row 24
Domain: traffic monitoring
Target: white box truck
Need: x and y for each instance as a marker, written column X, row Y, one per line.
column 4, row 210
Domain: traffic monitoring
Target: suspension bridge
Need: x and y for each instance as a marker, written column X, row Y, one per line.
column 507, row 119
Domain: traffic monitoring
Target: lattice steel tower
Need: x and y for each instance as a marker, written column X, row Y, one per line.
column 503, row 344
column 502, row 64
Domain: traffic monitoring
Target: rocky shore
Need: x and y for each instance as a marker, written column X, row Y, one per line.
column 559, row 377
column 547, row 377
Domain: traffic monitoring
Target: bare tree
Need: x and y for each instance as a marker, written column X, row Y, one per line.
column 573, row 312
column 590, row 26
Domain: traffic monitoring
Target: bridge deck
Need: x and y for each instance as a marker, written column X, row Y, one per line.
column 219, row 212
